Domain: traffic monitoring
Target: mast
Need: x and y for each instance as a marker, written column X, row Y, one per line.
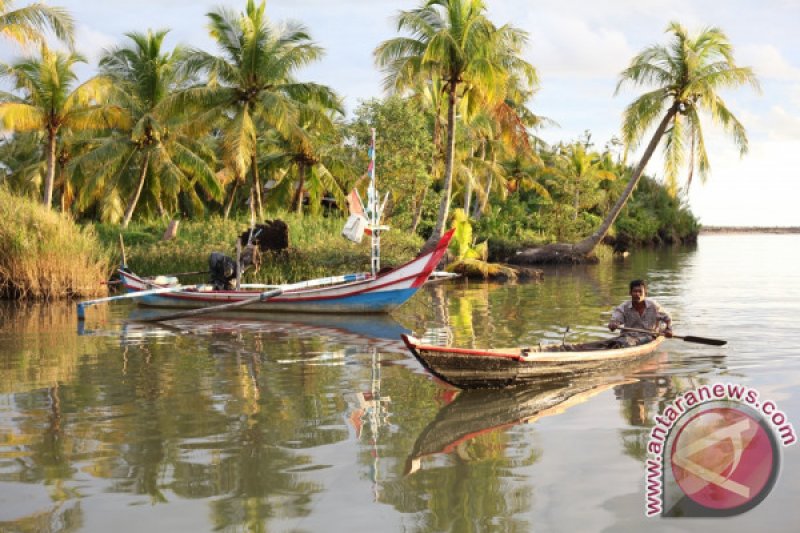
column 372, row 207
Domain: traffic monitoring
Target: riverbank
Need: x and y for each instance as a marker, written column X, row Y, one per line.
column 45, row 255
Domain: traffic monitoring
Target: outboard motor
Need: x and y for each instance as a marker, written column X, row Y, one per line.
column 223, row 269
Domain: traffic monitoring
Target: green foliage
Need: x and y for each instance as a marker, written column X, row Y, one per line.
column 199, row 129
column 654, row 216
column 470, row 259
column 317, row 248
column 403, row 151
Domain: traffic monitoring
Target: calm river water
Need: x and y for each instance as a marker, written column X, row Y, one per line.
column 328, row 424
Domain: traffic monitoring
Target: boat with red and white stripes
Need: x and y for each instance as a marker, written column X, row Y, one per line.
column 350, row 293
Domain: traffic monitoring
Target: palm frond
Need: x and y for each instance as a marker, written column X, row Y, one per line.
column 25, row 25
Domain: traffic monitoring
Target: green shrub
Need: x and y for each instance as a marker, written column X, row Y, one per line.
column 316, row 248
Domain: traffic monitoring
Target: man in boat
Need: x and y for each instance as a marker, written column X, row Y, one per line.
column 639, row 312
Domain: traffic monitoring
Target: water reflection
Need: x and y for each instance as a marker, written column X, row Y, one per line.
column 474, row 414
column 313, row 423
column 221, row 410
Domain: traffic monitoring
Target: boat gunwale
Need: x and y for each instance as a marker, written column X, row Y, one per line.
column 535, row 357
column 311, row 294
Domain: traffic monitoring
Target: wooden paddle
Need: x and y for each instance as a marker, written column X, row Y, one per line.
column 687, row 338
column 127, row 296
column 266, row 295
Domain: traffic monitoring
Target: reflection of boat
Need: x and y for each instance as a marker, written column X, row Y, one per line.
column 380, row 331
column 481, row 411
column 469, row 368
column 357, row 293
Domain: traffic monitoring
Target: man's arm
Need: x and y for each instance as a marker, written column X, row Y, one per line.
column 664, row 316
column 617, row 317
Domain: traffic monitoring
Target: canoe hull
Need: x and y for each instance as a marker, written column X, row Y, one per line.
column 379, row 294
column 469, row 369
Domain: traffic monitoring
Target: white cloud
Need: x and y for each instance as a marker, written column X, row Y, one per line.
column 768, row 62
column 567, row 46
column 92, row 43
column 759, row 189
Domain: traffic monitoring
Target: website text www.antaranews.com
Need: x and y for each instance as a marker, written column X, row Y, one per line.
column 689, row 400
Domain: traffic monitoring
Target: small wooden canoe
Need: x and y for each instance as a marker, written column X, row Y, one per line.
column 468, row 368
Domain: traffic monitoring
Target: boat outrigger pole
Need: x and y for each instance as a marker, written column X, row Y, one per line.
column 372, row 207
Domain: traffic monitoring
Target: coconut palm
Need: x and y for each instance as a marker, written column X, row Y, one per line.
column 309, row 154
column 252, row 87
column 454, row 41
column 581, row 171
column 689, row 72
column 23, row 168
column 26, row 24
column 159, row 148
column 49, row 104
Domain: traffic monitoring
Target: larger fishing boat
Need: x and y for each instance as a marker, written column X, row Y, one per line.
column 350, row 293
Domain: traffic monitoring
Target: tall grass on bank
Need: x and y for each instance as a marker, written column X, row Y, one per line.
column 45, row 255
column 316, row 248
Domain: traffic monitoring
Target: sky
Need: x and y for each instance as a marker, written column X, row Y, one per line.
column 578, row 47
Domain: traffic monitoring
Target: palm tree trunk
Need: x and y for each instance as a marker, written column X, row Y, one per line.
column 231, row 199
column 589, row 243
column 257, row 186
column 434, row 152
column 135, row 198
column 418, row 211
column 480, row 207
column 297, row 201
column 251, row 202
column 51, row 168
column 468, row 195
column 444, row 206
column 576, row 202
column 160, row 206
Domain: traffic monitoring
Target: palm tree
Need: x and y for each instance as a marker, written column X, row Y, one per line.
column 310, row 150
column 252, row 84
column 22, row 170
column 159, row 146
column 454, row 41
column 26, row 24
column 688, row 73
column 580, row 170
column 49, row 105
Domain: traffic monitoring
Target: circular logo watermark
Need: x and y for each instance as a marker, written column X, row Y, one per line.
column 725, row 458
column 714, row 451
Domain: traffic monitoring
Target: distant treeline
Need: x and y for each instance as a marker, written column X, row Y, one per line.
column 750, row 229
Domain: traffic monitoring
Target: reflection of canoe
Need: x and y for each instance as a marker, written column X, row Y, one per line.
column 357, row 293
column 381, row 331
column 469, row 368
column 477, row 412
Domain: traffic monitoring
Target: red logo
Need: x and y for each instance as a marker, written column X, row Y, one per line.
column 725, row 459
